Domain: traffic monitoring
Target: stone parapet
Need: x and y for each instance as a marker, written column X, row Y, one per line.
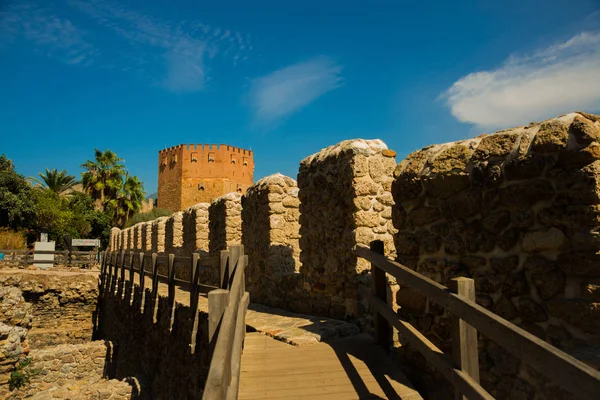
column 174, row 234
column 225, row 223
column 270, row 234
column 345, row 200
column 195, row 228
column 519, row 212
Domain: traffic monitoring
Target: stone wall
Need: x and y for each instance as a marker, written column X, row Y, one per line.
column 195, row 229
column 225, row 223
column 345, row 199
column 15, row 320
column 519, row 212
column 174, row 234
column 62, row 304
column 270, row 234
column 148, row 236
column 159, row 358
column 70, row 371
column 158, row 234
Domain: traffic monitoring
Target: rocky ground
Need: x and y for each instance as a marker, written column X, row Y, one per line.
column 45, row 337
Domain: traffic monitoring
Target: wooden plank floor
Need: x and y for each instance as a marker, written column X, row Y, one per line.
column 347, row 368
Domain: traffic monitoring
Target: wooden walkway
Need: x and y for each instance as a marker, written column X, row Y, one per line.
column 349, row 368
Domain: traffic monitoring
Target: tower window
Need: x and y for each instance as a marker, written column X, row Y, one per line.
column 245, row 162
column 232, row 159
column 174, row 158
column 211, row 157
column 194, row 157
column 201, row 186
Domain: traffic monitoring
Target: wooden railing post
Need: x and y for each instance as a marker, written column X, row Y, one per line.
column 383, row 330
column 171, row 277
column 464, row 339
column 195, row 267
column 131, row 276
column 154, row 286
column 121, row 267
column 225, row 269
column 217, row 302
column 142, row 283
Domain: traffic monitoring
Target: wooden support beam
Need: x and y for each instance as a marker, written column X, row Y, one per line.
column 142, row 283
column 195, row 267
column 171, row 301
column 383, row 330
column 217, row 302
column 129, row 286
column 464, row 337
column 224, row 270
column 154, row 287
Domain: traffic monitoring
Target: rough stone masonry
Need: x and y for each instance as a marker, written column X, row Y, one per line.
column 519, row 212
column 345, row 200
column 270, row 234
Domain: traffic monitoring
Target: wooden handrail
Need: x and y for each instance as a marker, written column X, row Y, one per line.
column 573, row 375
column 227, row 332
column 228, row 304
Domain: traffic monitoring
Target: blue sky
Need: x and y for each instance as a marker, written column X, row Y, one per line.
column 285, row 78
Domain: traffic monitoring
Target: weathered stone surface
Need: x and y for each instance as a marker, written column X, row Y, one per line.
column 584, row 130
column 530, row 310
column 505, row 308
column 543, row 239
column 579, row 263
column 577, row 312
column 455, row 158
column 515, row 285
column 421, row 216
column 496, row 145
column 505, row 265
column 495, row 222
column 526, row 167
column 551, row 137
column 462, row 205
column 525, row 195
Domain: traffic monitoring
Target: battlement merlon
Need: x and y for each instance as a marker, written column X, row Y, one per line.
column 206, row 147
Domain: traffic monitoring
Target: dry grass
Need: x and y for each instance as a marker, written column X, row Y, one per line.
column 11, row 240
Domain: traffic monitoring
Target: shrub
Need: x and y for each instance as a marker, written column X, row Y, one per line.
column 156, row 212
column 11, row 240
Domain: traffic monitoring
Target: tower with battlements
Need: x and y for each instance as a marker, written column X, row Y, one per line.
column 191, row 174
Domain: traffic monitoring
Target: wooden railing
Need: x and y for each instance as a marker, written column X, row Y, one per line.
column 468, row 317
column 227, row 304
column 65, row 257
column 227, row 326
column 117, row 276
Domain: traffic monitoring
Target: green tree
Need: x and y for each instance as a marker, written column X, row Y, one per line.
column 59, row 182
column 116, row 192
column 103, row 178
column 17, row 205
column 129, row 201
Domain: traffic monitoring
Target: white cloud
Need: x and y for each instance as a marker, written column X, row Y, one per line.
column 185, row 46
column 289, row 89
column 175, row 52
column 49, row 32
column 556, row 80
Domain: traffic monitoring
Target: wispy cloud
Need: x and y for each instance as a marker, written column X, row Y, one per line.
column 559, row 79
column 183, row 47
column 174, row 55
column 49, row 32
column 287, row 90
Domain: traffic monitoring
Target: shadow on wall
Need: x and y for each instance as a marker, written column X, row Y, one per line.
column 217, row 233
column 327, row 235
column 160, row 359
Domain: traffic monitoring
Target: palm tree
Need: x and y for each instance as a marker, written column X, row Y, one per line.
column 129, row 200
column 103, row 176
column 59, row 182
